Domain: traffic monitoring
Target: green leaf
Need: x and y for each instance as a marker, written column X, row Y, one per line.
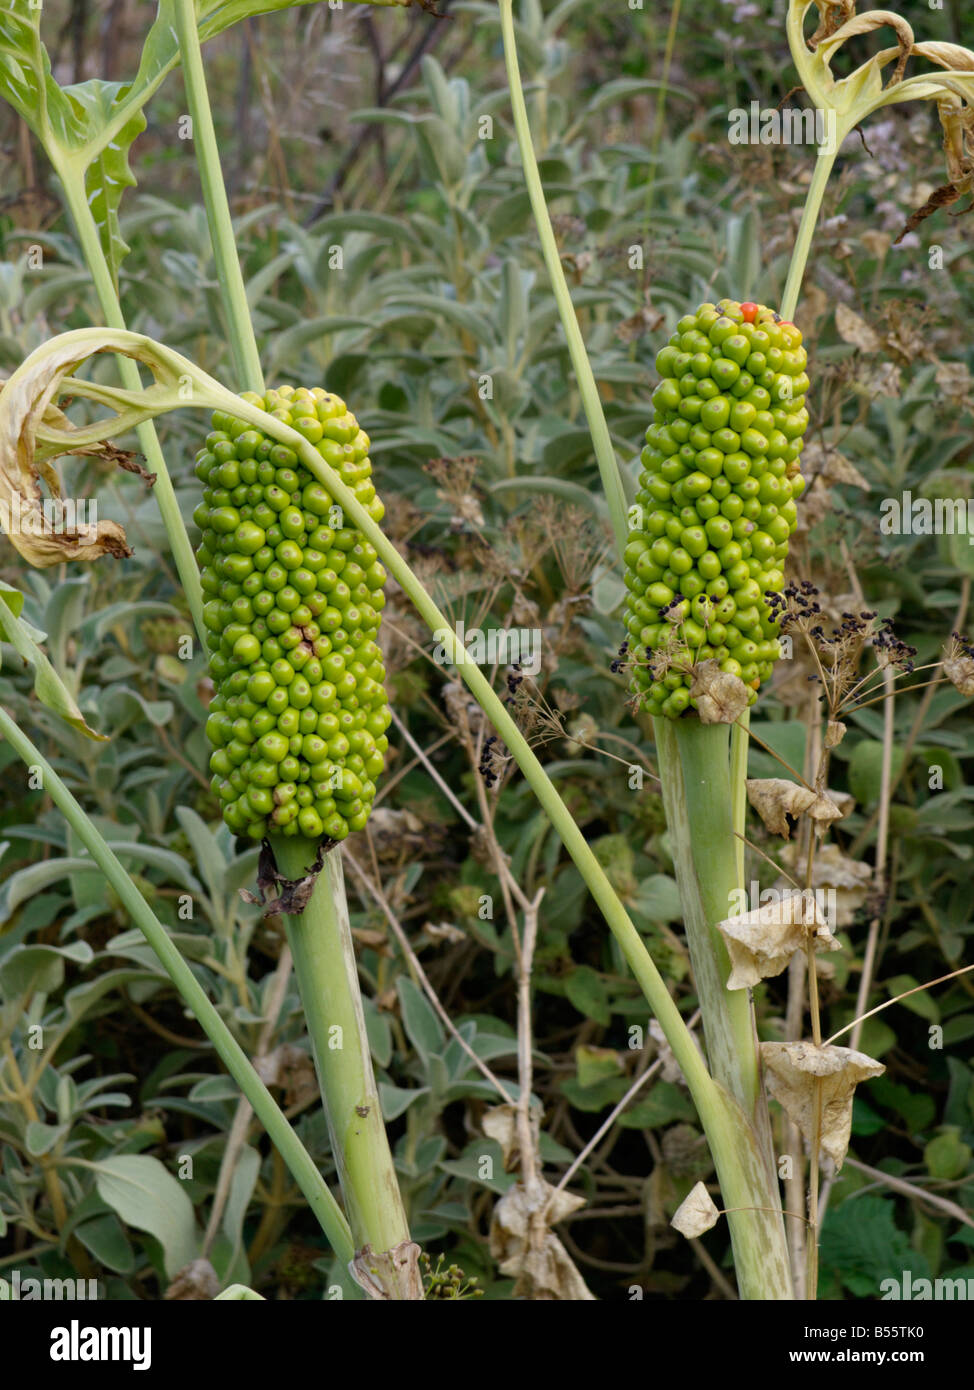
column 396, row 1100
column 866, row 768
column 665, row 1104
column 862, row 1243
column 947, row 1156
column 916, row 1108
column 594, row 1064
column 30, row 969
column 238, row 1293
column 40, row 1138
column 589, row 993
column 591, row 1099
column 107, row 1241
column 615, row 854
column 241, row 1190
column 48, row 686
column 421, row 1024
column 921, row 1003
column 209, row 860
column 658, row 898
column 27, row 83
column 109, row 174
column 146, row 1195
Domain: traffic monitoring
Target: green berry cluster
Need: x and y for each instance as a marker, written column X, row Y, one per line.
column 716, row 502
column 292, row 602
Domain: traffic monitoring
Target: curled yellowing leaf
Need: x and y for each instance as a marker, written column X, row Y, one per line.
column 34, row 430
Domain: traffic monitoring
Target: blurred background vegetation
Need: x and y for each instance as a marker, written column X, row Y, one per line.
column 385, row 135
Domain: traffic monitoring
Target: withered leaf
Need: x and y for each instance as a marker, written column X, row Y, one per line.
column 444, row 931
column 845, row 880
column 196, row 1282
column 292, row 1069
column 959, row 670
column 803, row 1077
column 942, row 197
column 500, row 1123
column 277, row 894
column 670, row 1069
column 955, row 381
column 718, row 696
column 856, row 330
column 698, row 1212
column 776, row 799
column 522, row 1242
column 762, row 942
column 834, row 733
column 393, row 1275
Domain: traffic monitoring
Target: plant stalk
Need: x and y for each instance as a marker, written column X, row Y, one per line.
column 694, row 767
column 325, row 967
column 806, row 230
column 233, row 291
column 163, row 490
column 588, row 390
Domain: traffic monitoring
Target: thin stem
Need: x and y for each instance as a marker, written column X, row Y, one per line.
column 912, row 1191
column 888, row 1004
column 302, row 1167
column 671, row 33
column 163, row 491
column 417, row 967
column 806, row 231
column 588, row 390
column 233, row 293
column 615, row 1112
column 882, row 842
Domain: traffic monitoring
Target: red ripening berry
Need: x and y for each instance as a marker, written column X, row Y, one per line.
column 749, row 312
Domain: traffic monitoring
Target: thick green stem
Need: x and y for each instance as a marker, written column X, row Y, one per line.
column 697, row 794
column 186, row 567
column 233, row 292
column 589, row 391
column 695, row 773
column 739, row 741
column 324, row 961
column 293, row 1152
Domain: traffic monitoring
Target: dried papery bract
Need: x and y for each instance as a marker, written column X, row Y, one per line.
column 846, row 881
column 761, row 943
column 959, row 664
column 392, row 1274
column 721, row 697
column 522, row 1242
column 697, row 1213
column 776, row 799
column 802, row 1077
